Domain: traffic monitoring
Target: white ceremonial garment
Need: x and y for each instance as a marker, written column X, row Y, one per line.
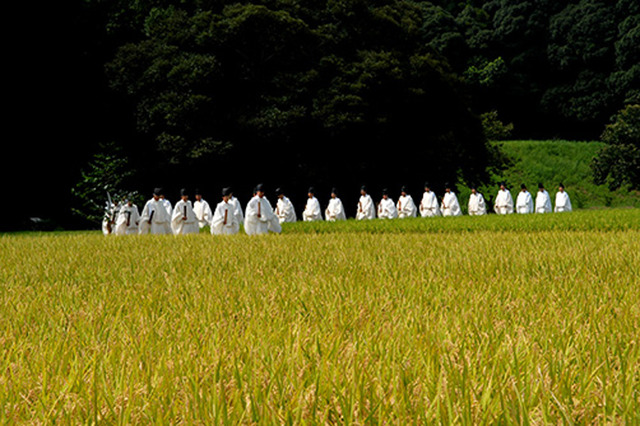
column 110, row 218
column 259, row 217
column 225, row 221
column 366, row 210
column 450, row 205
column 524, row 203
column 335, row 210
column 477, row 206
column 312, row 210
column 563, row 203
column 180, row 225
column 285, row 210
column 167, row 205
column 156, row 212
column 406, row 207
column 543, row 202
column 429, row 206
column 238, row 210
column 387, row 209
column 504, row 202
column 203, row 212
column 128, row 220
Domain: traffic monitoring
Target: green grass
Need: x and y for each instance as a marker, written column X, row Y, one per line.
column 450, row 320
column 551, row 162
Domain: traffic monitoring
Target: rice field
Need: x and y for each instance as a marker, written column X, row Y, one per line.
column 446, row 320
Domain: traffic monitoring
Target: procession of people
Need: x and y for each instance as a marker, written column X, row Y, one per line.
column 259, row 217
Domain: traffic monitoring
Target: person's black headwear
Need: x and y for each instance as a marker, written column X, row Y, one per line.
column 403, row 189
column 183, row 192
column 540, row 186
column 226, row 192
column 312, row 190
column 447, row 185
column 260, row 187
column 157, row 191
column 561, row 185
column 523, row 186
column 385, row 191
column 197, row 192
column 426, row 185
column 363, row 188
column 334, row 191
column 279, row 191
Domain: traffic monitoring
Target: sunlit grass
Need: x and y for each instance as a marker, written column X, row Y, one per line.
column 476, row 320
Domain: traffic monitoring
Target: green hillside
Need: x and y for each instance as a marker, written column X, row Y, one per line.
column 551, row 162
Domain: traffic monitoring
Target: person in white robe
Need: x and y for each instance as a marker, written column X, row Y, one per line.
column 259, row 217
column 284, row 208
column 406, row 207
column 366, row 209
column 543, row 200
column 238, row 208
column 183, row 218
column 128, row 219
column 477, row 205
column 335, row 209
column 387, row 208
column 450, row 204
column 524, row 201
column 154, row 218
column 110, row 217
column 202, row 210
column 312, row 210
column 429, row 206
column 563, row 203
column 225, row 221
column 504, row 201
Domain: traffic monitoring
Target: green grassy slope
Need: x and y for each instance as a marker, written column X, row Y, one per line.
column 551, row 162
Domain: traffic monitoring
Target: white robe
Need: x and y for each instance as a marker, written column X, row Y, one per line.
column 524, row 203
column 335, row 210
column 267, row 221
column 110, row 218
column 477, row 206
column 285, row 210
column 429, row 206
column 312, row 210
column 167, row 205
column 387, row 209
column 225, row 221
column 450, row 205
column 181, row 226
column 504, row 202
column 406, row 207
column 563, row 203
column 366, row 210
column 160, row 221
column 203, row 212
column 128, row 214
column 238, row 210
column 543, row 202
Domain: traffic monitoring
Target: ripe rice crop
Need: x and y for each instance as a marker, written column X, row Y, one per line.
column 465, row 320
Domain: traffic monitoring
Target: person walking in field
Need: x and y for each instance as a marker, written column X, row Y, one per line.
column 259, row 217
column 128, row 219
column 183, row 219
column 450, row 204
column 543, row 200
column 284, row 208
column 504, row 201
column 312, row 210
column 524, row 202
column 477, row 205
column 563, row 203
column 387, row 208
column 406, row 207
column 335, row 209
column 429, row 206
column 366, row 210
column 154, row 218
column 202, row 210
column 225, row 221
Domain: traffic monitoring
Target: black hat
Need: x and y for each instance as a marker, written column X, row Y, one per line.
column 560, row 185
column 385, row 191
column 447, row 185
column 426, row 185
column 259, row 187
column 312, row 190
column 403, row 189
column 183, row 192
column 473, row 186
column 157, row 191
column 197, row 191
column 502, row 184
column 279, row 191
column 334, row 191
column 226, row 192
column 523, row 186
column 540, row 186
column 363, row 188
